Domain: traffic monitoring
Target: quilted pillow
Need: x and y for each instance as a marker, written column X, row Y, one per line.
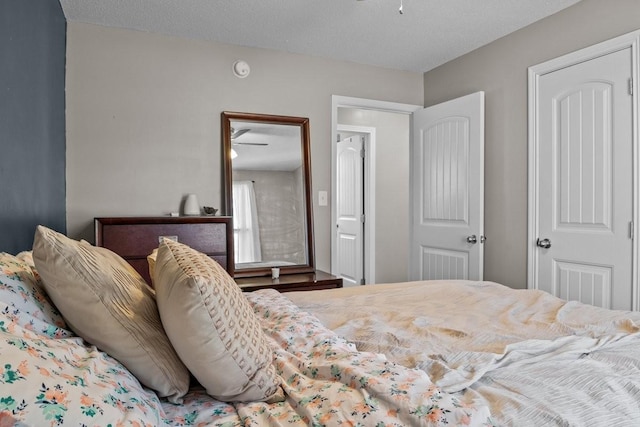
column 24, row 300
column 151, row 261
column 106, row 302
column 212, row 326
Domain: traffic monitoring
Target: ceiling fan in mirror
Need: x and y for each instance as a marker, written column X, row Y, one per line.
column 236, row 133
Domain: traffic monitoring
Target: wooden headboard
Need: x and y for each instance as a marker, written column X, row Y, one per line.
column 134, row 238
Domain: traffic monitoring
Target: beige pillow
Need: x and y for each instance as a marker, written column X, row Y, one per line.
column 212, row 326
column 151, row 261
column 106, row 302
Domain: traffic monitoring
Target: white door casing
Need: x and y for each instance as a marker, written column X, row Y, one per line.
column 447, row 196
column 582, row 175
column 350, row 210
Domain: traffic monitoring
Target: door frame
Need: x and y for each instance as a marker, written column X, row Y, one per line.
column 626, row 41
column 368, row 207
column 338, row 101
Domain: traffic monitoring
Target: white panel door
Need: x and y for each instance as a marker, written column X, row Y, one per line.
column 349, row 209
column 447, row 181
column 585, row 182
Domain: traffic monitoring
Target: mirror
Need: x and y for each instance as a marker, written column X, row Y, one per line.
column 267, row 186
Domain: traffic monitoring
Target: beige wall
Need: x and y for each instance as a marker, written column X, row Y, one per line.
column 500, row 69
column 392, row 189
column 143, row 118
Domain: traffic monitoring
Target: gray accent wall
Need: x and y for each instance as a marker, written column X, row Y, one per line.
column 32, row 120
column 500, row 69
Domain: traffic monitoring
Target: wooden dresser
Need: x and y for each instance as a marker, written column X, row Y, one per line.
column 133, row 238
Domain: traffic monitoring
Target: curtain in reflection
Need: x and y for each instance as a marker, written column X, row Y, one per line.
column 245, row 223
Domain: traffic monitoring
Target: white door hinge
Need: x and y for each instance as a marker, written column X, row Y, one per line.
column 631, row 231
column 630, row 86
column 362, row 218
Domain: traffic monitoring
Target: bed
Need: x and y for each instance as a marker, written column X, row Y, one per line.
column 531, row 358
column 420, row 353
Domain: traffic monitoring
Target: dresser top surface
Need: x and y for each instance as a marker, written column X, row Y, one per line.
column 161, row 219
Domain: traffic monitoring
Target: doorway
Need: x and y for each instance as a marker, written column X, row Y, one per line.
column 382, row 216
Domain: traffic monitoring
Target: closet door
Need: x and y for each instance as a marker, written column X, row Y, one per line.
column 350, row 211
column 584, row 187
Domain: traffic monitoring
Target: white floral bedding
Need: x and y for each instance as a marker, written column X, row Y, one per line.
column 50, row 377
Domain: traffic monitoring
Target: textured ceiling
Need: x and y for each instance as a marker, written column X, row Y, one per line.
column 428, row 34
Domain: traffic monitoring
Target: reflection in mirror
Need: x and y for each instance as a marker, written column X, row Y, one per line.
column 267, row 185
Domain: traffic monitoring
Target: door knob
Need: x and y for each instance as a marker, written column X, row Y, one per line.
column 472, row 239
column 544, row 243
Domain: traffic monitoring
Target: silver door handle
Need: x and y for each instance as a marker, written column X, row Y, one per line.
column 472, row 239
column 544, row 243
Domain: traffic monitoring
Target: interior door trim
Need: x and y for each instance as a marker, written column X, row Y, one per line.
column 626, row 41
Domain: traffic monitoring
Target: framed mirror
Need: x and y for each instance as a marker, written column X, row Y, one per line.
column 267, row 185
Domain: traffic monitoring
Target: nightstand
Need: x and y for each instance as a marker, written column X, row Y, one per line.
column 291, row 282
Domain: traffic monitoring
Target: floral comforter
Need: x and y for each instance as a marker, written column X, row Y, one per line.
column 49, row 377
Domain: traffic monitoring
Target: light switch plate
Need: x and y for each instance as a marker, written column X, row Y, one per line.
column 322, row 198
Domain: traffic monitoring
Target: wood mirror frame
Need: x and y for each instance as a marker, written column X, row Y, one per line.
column 272, row 124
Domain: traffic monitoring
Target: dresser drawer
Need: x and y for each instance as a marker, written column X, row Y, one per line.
column 141, row 239
column 134, row 238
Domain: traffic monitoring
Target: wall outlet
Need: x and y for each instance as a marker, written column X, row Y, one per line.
column 322, row 198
